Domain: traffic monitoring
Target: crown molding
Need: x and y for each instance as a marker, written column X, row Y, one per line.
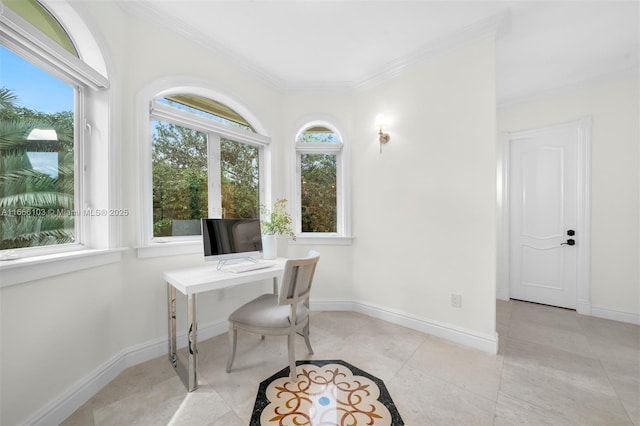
column 630, row 72
column 489, row 27
column 146, row 11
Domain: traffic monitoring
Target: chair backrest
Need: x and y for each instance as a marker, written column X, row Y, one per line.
column 297, row 278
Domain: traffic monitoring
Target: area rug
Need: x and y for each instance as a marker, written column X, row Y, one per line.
column 328, row 392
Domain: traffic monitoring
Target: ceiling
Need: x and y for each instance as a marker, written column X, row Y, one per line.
column 541, row 46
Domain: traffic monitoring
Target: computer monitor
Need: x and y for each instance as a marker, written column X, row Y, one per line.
column 225, row 239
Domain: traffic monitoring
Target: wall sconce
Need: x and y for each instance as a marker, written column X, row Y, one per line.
column 381, row 124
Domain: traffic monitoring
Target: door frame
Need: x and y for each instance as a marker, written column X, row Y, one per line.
column 583, row 228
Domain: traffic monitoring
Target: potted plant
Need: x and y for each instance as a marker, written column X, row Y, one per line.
column 276, row 222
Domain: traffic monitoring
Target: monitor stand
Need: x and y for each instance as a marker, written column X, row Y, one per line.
column 221, row 263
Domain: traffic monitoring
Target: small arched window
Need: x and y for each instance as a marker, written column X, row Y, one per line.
column 319, row 176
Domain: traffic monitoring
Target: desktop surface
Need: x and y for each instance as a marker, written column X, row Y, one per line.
column 207, row 277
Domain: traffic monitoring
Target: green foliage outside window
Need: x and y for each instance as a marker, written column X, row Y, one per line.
column 318, row 184
column 240, row 180
column 179, row 167
column 319, row 208
column 36, row 205
column 180, row 179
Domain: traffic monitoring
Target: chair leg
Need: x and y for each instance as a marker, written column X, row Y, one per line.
column 306, row 338
column 233, row 339
column 292, row 356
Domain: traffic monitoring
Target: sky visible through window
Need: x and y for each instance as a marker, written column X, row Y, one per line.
column 35, row 88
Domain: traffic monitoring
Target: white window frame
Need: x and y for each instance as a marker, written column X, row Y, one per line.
column 150, row 246
column 342, row 236
column 97, row 239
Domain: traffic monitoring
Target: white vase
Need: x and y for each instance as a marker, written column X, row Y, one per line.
column 269, row 247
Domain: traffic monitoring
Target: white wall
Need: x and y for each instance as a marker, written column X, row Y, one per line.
column 424, row 209
column 615, row 214
column 333, row 279
column 58, row 332
column 423, row 214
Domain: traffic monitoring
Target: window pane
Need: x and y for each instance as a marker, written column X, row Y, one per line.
column 208, row 108
column 36, row 156
column 179, row 161
column 240, row 180
column 319, row 209
column 318, row 134
column 40, row 18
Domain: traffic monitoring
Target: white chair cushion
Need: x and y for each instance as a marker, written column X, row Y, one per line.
column 264, row 311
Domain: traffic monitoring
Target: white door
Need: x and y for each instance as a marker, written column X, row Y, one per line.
column 543, row 226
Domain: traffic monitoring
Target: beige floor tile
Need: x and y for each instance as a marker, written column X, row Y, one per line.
column 554, row 367
column 422, row 399
column 83, row 416
column 200, row 408
column 512, row 411
column 548, row 335
column 469, row 369
column 562, row 382
column 153, row 406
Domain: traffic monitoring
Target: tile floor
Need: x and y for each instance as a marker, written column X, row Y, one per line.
column 554, row 367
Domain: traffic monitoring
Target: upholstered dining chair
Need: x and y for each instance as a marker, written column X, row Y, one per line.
column 282, row 314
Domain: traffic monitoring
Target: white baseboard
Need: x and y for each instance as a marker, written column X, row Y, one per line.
column 615, row 315
column 502, row 293
column 68, row 402
column 583, row 307
column 484, row 342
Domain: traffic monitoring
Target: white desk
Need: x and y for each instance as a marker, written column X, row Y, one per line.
column 190, row 282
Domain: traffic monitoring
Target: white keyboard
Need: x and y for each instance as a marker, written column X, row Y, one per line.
column 238, row 269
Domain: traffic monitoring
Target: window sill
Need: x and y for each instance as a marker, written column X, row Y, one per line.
column 334, row 240
column 170, row 248
column 33, row 268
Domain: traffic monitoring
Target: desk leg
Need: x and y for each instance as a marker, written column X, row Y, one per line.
column 171, row 299
column 186, row 369
column 193, row 342
column 275, row 286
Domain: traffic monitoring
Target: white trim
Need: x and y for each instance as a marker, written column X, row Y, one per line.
column 21, row 36
column 322, row 239
column 146, row 11
column 173, row 85
column 61, row 407
column 583, row 289
column 484, row 342
column 205, row 125
column 79, row 393
column 343, row 178
column 33, row 268
column 630, row 72
column 171, row 248
column 489, row 27
column 615, row 315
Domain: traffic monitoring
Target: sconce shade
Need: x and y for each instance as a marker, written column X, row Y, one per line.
column 381, row 121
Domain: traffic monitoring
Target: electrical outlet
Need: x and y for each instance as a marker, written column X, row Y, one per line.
column 456, row 300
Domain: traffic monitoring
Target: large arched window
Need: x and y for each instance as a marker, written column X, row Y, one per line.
column 53, row 103
column 321, row 198
column 205, row 159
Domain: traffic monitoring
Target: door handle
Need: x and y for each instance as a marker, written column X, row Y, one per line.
column 570, row 242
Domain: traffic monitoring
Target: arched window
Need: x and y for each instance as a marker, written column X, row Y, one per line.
column 320, row 190
column 205, row 160
column 51, row 99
